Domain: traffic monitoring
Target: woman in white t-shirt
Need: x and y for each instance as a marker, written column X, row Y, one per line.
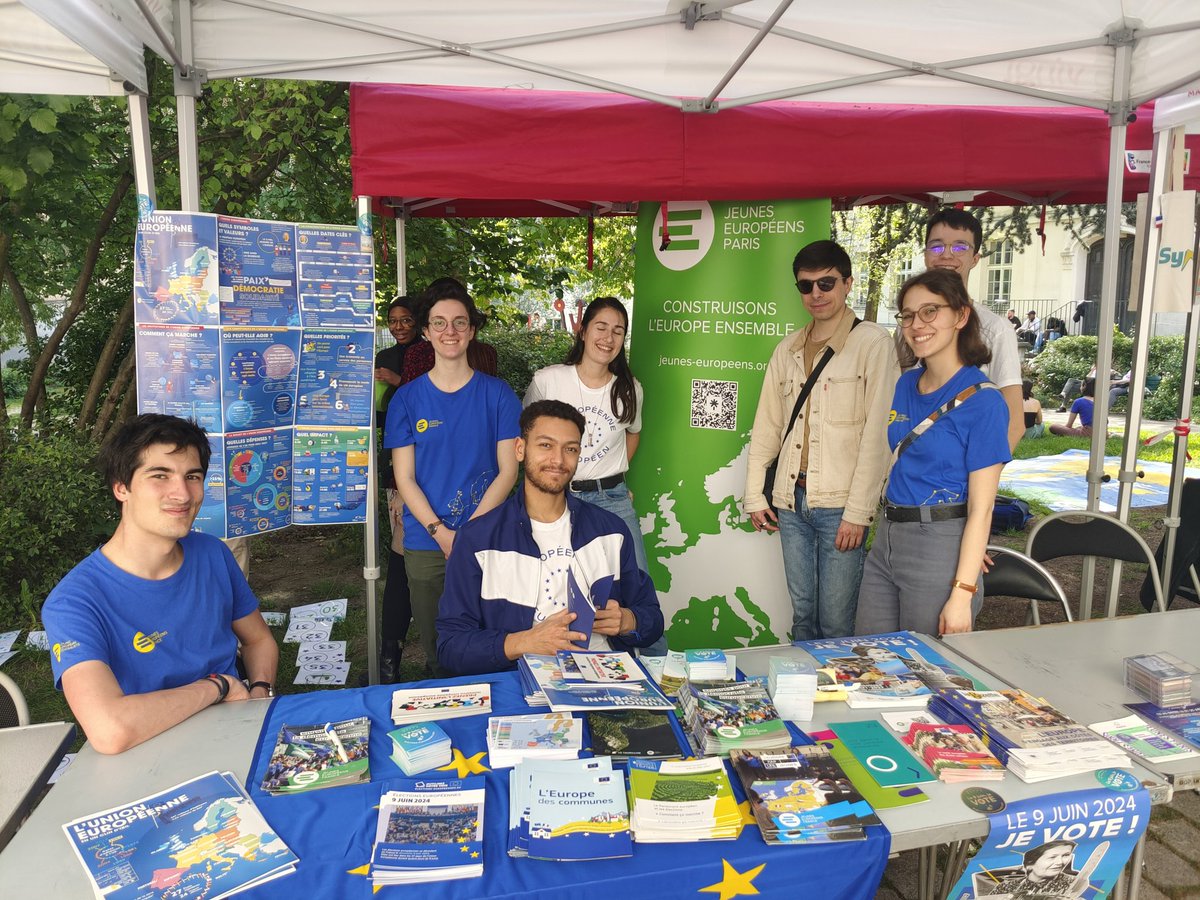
column 596, row 380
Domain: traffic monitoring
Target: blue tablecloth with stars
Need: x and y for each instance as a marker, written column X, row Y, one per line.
column 332, row 830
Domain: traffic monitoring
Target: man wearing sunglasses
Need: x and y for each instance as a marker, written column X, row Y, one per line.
column 832, row 461
column 952, row 241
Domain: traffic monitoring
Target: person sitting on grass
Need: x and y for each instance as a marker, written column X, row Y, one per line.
column 1033, row 411
column 144, row 633
column 1082, row 409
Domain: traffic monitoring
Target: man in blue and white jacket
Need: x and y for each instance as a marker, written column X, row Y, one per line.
column 507, row 576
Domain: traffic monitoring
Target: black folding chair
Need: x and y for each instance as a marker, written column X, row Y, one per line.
column 1093, row 534
column 1182, row 580
column 1013, row 574
column 13, row 709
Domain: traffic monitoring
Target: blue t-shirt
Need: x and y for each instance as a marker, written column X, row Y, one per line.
column 152, row 634
column 454, row 438
column 935, row 467
column 1085, row 408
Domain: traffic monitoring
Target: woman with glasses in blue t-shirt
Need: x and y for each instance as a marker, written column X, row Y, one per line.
column 924, row 571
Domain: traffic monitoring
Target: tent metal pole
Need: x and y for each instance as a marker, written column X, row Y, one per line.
column 143, row 156
column 1175, row 153
column 763, row 31
column 401, row 252
column 187, row 88
column 1144, row 292
column 371, row 526
column 1108, row 298
column 167, row 44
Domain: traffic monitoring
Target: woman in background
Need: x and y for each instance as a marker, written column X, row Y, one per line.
column 596, row 379
column 1083, row 410
column 924, row 569
column 1034, row 428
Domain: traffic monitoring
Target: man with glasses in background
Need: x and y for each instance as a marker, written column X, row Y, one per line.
column 832, row 455
column 952, row 241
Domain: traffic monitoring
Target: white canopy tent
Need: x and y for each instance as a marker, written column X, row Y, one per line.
column 700, row 58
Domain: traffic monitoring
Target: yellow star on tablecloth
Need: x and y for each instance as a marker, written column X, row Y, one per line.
column 747, row 814
column 365, row 870
column 464, row 765
column 734, row 883
column 475, row 855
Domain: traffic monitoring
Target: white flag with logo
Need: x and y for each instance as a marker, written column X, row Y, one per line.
column 1175, row 267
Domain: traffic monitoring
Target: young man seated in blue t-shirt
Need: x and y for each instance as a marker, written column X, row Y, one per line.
column 144, row 633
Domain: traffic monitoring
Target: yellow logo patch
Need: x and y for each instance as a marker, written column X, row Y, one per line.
column 422, row 424
column 144, row 643
column 61, row 647
column 891, row 417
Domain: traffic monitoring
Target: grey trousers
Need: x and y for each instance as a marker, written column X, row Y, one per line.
column 907, row 576
column 426, row 581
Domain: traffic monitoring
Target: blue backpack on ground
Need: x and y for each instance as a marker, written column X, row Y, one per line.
column 1010, row 514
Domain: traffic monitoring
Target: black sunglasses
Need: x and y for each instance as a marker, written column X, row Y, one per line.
column 805, row 285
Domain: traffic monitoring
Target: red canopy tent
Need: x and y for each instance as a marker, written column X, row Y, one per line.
column 447, row 151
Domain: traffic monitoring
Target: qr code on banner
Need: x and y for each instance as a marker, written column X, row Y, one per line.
column 714, row 404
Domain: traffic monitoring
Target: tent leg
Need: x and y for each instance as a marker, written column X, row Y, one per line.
column 1108, row 294
column 371, row 526
column 401, row 253
column 187, row 89
column 143, row 155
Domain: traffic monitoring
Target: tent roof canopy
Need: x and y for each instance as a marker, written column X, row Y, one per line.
column 434, row 151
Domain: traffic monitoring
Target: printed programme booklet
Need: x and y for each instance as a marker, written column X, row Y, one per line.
column 566, row 687
column 429, row 830
column 511, row 739
column 430, row 704
column 954, row 752
column 566, row 810
column 682, row 801
column 308, row 757
column 1147, row 741
column 202, row 838
column 721, row 716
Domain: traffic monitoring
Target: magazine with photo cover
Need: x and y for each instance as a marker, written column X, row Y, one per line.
column 310, row 757
column 429, row 830
column 622, row 733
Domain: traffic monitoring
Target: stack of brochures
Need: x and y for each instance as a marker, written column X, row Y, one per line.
column 792, row 684
column 511, row 739
column 1183, row 721
column 205, row 835
column 308, row 757
column 724, row 716
column 429, row 830
column 451, row 702
column 888, row 671
column 670, row 671
column 583, row 680
column 954, row 752
column 1147, row 741
column 1036, row 741
column 636, row 733
column 535, row 672
column 705, row 665
column 682, row 801
column 1162, row 678
column 567, row 810
column 419, row 747
column 801, row 795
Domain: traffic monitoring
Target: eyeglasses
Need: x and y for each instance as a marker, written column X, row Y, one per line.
column 805, row 285
column 926, row 313
column 407, row 321
column 958, row 248
column 462, row 323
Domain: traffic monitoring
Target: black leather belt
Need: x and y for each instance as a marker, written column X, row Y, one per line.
column 802, row 480
column 598, row 484
column 939, row 513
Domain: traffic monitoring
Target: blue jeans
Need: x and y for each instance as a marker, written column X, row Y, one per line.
column 616, row 500
column 822, row 580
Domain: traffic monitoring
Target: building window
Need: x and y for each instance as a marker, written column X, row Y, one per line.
column 999, row 276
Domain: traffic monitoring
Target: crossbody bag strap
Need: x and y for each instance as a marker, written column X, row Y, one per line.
column 809, row 383
column 927, row 423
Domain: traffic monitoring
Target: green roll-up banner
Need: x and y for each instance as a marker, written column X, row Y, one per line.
column 711, row 303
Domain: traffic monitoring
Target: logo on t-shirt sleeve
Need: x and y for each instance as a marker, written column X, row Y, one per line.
column 61, row 647
column 144, row 643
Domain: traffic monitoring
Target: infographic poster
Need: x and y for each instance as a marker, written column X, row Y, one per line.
column 258, row 481
column 258, row 273
column 329, row 474
column 336, row 378
column 174, row 269
column 252, row 328
column 178, row 372
column 260, row 368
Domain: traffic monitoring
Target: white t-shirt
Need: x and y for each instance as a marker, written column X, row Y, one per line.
column 603, row 450
column 1005, row 368
column 554, row 543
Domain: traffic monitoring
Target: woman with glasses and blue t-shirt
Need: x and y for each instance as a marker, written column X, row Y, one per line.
column 948, row 431
column 596, row 380
column 452, row 433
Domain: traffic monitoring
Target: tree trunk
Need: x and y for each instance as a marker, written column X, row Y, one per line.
column 108, row 356
column 78, row 300
column 33, row 343
column 3, row 412
column 115, row 392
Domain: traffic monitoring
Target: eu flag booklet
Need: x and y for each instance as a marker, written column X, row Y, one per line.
column 429, row 830
column 202, row 838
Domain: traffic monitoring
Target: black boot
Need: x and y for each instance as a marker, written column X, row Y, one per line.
column 389, row 662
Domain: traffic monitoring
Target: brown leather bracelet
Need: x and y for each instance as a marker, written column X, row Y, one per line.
column 969, row 588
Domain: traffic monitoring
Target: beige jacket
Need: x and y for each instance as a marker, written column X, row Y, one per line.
column 847, row 412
